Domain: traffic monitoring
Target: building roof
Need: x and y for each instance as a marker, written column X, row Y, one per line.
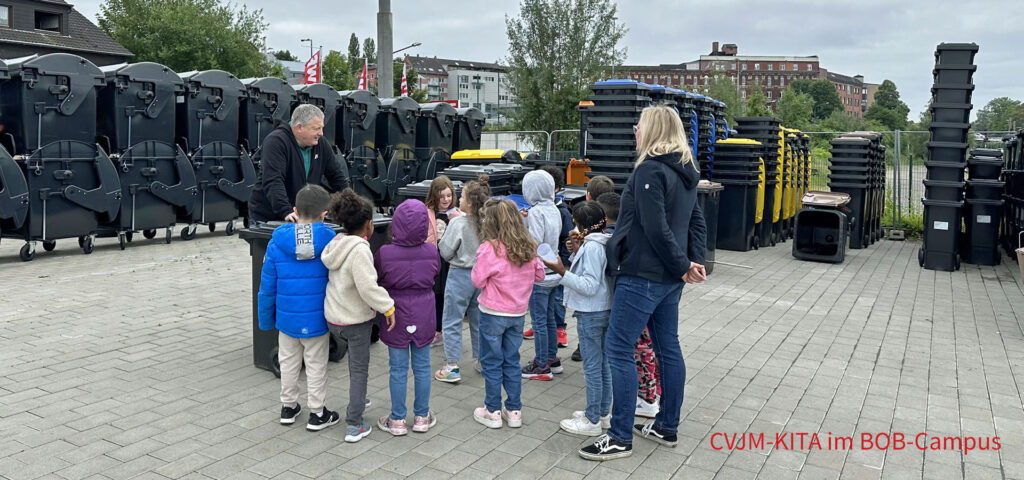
column 762, row 58
column 82, row 36
column 839, row 78
column 440, row 66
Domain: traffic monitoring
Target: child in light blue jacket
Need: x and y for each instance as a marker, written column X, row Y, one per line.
column 588, row 292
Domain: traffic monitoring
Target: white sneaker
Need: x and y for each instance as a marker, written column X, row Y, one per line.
column 645, row 409
column 605, row 422
column 581, row 426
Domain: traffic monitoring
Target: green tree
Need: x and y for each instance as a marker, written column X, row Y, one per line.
column 216, row 36
column 1000, row 114
column 412, row 80
column 557, row 49
column 369, row 50
column 724, row 89
column 795, row 109
column 285, row 56
column 336, row 71
column 757, row 103
column 826, row 98
column 887, row 109
column 355, row 63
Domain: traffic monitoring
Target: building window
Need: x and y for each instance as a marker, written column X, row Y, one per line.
column 757, row 66
column 5, row 16
column 769, row 94
column 463, row 78
column 48, row 21
column 744, row 94
column 771, row 66
column 463, row 95
column 744, row 66
column 808, row 67
column 782, row 66
column 769, row 81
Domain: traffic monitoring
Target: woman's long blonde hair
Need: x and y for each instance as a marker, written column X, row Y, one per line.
column 502, row 224
column 661, row 132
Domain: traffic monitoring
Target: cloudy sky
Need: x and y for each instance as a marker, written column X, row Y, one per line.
column 880, row 39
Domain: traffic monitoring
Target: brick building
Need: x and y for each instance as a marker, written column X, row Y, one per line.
column 773, row 73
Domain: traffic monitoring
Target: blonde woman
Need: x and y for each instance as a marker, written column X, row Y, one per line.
column 658, row 246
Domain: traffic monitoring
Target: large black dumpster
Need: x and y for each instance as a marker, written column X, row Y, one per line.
column 48, row 98
column 136, row 104
column 209, row 110
column 357, row 140
column 264, row 343
column 708, row 197
column 469, row 125
column 13, row 194
column 434, row 129
column 224, row 177
column 326, row 99
column 72, row 189
column 267, row 101
column 396, row 142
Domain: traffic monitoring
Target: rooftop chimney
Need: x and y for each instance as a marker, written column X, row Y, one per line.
column 714, row 48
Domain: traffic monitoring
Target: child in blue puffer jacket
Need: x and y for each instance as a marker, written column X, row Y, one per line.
column 291, row 299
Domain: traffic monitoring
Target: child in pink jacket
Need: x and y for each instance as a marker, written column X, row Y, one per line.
column 506, row 269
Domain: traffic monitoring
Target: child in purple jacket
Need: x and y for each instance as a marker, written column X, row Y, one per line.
column 406, row 269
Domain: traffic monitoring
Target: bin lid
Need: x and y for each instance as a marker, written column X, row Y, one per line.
column 970, row 47
column 320, row 91
column 443, row 113
column 985, row 183
column 488, row 154
column 986, row 152
column 285, row 93
column 143, row 72
column 405, row 110
column 758, row 119
column 3, row 70
column 622, row 82
column 364, row 103
column 826, row 199
column 707, row 185
column 738, row 141
column 469, row 114
column 82, row 74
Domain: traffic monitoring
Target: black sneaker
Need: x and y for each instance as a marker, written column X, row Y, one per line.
column 656, row 434
column 288, row 414
column 322, row 421
column 577, row 356
column 606, row 449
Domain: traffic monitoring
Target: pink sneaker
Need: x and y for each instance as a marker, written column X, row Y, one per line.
column 487, row 418
column 437, row 340
column 513, row 417
column 423, row 424
column 392, row 426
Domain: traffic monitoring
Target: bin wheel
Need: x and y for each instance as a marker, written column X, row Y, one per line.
column 122, row 241
column 245, row 222
column 920, row 256
column 188, row 233
column 149, row 234
column 28, row 252
column 213, row 226
column 129, row 236
column 81, row 242
column 229, row 230
column 88, row 245
column 168, row 236
column 49, row 245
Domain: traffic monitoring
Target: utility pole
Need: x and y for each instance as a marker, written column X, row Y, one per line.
column 385, row 63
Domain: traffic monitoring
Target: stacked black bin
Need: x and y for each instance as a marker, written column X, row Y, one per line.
column 396, row 143
column 207, row 130
column 944, row 182
column 267, row 102
column 356, row 138
column 469, row 125
column 611, row 147
column 501, row 177
column 738, row 171
column 688, row 115
column 875, row 195
column 434, row 130
column 709, row 197
column 49, row 119
column 766, row 131
column 1013, row 194
column 851, row 170
column 705, row 133
column 135, row 123
column 419, row 191
column 984, row 207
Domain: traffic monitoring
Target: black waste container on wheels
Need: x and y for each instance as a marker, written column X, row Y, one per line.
column 820, row 228
column 981, row 230
column 469, row 125
column 396, row 142
column 267, row 102
column 224, row 178
column 209, row 109
column 48, row 98
column 434, row 129
column 13, row 194
column 72, row 189
column 264, row 342
column 708, row 197
column 942, row 221
column 136, row 104
column 325, row 98
column 357, row 140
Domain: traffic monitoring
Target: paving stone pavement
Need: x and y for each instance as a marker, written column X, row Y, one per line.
column 138, row 364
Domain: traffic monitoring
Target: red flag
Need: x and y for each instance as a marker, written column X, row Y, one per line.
column 362, row 77
column 405, row 84
column 312, row 71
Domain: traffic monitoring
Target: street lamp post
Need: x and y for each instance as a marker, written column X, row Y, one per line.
column 416, row 44
column 477, row 84
column 310, row 40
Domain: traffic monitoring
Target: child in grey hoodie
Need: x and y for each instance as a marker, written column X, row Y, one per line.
column 544, row 223
column 588, row 292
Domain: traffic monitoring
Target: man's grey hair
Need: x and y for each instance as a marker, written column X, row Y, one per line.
column 305, row 113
